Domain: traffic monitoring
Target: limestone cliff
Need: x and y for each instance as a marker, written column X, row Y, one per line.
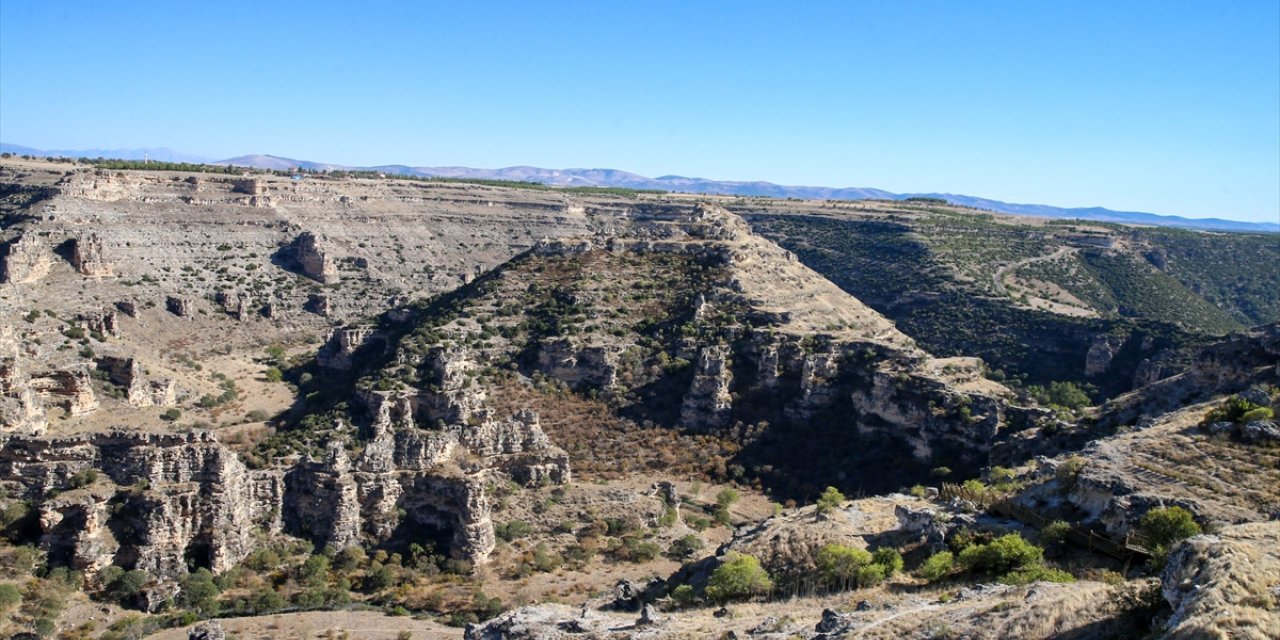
column 25, row 259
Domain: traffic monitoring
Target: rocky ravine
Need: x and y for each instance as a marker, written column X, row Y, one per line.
column 415, row 461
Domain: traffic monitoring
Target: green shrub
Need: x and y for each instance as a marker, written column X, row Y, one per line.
column 830, row 500
column 263, row 560
column 1036, row 573
column 513, row 530
column 839, row 565
column 889, row 558
column 1236, row 409
column 314, row 571
column 684, row 547
column 1165, row 526
column 683, row 595
column 739, row 577
column 1061, row 394
column 872, row 575
column 938, row 566
column 123, row 586
column 1004, row 554
column 726, row 497
column 10, row 596
column 1261, row 413
column 1055, row 533
column 199, row 593
column 266, row 600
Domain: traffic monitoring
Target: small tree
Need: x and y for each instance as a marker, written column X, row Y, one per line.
column 839, row 565
column 199, row 593
column 830, row 500
column 1166, row 526
column 740, row 577
column 1055, row 533
column 684, row 547
column 314, row 571
column 1001, row 555
column 889, row 558
column 937, row 566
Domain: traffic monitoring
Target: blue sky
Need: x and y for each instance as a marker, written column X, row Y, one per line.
column 1170, row 107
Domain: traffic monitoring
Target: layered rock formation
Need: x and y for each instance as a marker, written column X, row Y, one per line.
column 1225, row 585
column 314, row 260
column 88, row 256
column 1236, row 362
column 21, row 408
column 73, row 384
column 25, row 259
column 160, row 501
column 139, row 391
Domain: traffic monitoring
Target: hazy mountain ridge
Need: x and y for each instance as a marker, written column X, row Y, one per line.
column 159, row 154
column 579, row 177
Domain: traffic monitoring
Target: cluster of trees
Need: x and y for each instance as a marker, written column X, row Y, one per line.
column 1010, row 557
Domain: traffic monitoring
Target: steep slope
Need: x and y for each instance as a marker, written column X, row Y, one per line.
column 685, row 319
column 1107, row 306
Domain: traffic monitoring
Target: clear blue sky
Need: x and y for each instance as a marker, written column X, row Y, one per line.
column 1163, row 106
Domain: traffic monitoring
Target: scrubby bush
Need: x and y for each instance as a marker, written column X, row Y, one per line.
column 1066, row 394
column 683, row 595
column 123, row 586
column 1001, row 555
column 1239, row 411
column 838, row 565
column 889, row 558
column 1055, row 533
column 199, row 593
column 1166, row 526
column 263, row 560
column 842, row 567
column 10, row 596
column 1261, row 413
column 314, row 571
column 1036, row 573
column 830, row 500
column 938, row 566
column 266, row 600
column 513, row 530
column 739, row 577
column 684, row 547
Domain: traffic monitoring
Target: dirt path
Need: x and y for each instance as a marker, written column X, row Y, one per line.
column 863, row 630
column 997, row 279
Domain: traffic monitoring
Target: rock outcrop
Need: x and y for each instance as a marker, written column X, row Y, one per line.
column 139, row 391
column 178, row 306
column 159, row 501
column 1236, row 362
column 88, row 256
column 341, row 346
column 21, row 408
column 73, row 384
column 1225, row 585
column 314, row 259
column 708, row 403
column 104, row 322
column 23, row 260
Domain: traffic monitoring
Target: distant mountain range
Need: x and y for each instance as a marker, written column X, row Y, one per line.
column 616, row 178
column 161, row 154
